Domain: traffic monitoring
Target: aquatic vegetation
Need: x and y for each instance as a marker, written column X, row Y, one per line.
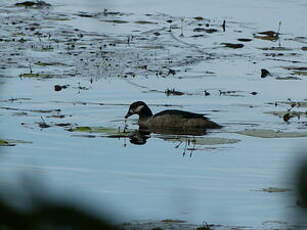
column 269, row 133
column 107, row 132
column 172, row 221
column 201, row 140
column 275, row 189
column 36, row 75
column 33, row 4
column 233, row 45
column 12, row 142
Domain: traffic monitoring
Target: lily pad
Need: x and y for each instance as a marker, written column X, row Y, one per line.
column 116, row 21
column 5, row 143
column 244, row 39
column 49, row 63
column 43, row 49
column 199, row 18
column 57, row 18
column 275, row 189
column 201, row 140
column 278, row 48
column 267, row 38
column 269, row 133
column 173, row 221
column 110, row 132
column 11, row 142
column 35, row 75
column 301, row 73
column 288, row 78
column 233, row 45
column 37, row 4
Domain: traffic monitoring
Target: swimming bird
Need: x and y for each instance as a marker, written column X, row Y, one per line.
column 169, row 119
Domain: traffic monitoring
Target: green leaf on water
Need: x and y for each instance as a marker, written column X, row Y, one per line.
column 275, row 189
column 11, row 142
column 288, row 78
column 201, row 140
column 35, row 75
column 49, row 63
column 269, row 133
column 4, row 143
column 110, row 132
column 300, row 73
column 88, row 129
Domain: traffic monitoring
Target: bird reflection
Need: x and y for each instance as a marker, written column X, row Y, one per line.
column 183, row 137
column 139, row 137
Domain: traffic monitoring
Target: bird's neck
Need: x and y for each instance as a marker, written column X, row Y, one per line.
column 145, row 113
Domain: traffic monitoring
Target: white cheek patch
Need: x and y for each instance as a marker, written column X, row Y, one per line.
column 131, row 111
column 139, row 108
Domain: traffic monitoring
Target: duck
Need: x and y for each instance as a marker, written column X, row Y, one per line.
column 169, row 119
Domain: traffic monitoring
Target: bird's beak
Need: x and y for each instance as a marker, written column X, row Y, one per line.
column 128, row 115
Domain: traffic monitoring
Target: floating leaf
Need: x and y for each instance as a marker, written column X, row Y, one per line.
column 288, row 78
column 199, row 29
column 36, row 4
column 49, row 63
column 110, row 132
column 269, row 133
column 279, row 48
column 145, row 22
column 116, row 21
column 11, row 142
column 199, row 18
column 267, row 38
column 268, row 33
column 57, row 18
column 35, row 75
column 275, row 189
column 210, row 31
column 173, row 221
column 201, row 140
column 5, row 143
column 233, row 45
column 244, row 39
column 300, row 73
